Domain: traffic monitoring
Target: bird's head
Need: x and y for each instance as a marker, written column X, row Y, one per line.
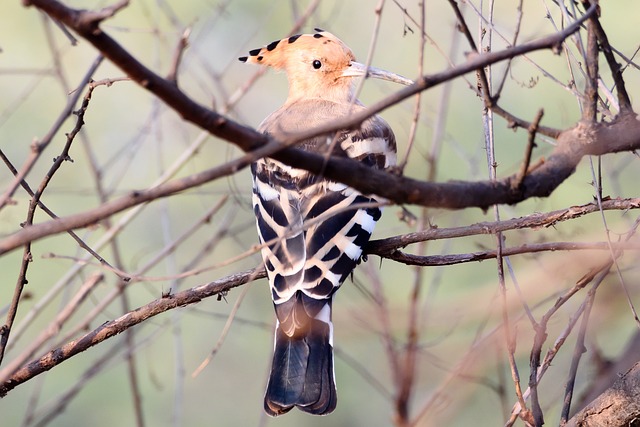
column 318, row 65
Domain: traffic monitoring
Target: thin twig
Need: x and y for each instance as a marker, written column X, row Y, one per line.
column 386, row 246
column 579, row 350
column 66, row 32
column 27, row 258
column 514, row 41
column 413, row 130
column 453, row 259
column 548, row 359
column 51, row 214
column 597, row 182
column 597, row 273
column 183, row 43
column 54, row 327
column 37, row 147
column 383, row 315
column 106, row 301
column 409, row 365
column 107, row 360
column 533, row 129
column 483, row 84
column 590, row 104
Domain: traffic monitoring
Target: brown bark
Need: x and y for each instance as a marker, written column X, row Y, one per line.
column 617, row 406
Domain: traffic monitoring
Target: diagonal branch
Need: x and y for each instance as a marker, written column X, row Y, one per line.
column 622, row 134
column 246, row 138
column 38, row 147
column 114, row 327
column 614, row 66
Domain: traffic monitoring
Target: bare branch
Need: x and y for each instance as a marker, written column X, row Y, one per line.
column 533, row 129
column 614, row 66
column 622, row 135
column 578, row 351
column 122, row 323
column 38, row 146
column 590, row 104
column 386, row 247
column 183, row 43
column 411, row 349
column 452, row 259
column 56, row 325
column 5, row 331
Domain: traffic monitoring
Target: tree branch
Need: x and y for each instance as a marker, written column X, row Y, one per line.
column 122, row 323
column 599, row 139
column 614, row 66
column 452, row 259
column 386, row 247
column 618, row 406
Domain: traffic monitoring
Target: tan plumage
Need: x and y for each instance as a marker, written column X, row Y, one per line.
column 312, row 258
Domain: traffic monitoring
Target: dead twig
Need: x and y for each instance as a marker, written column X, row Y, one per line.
column 38, row 146
column 616, row 71
column 27, row 258
column 385, row 247
column 183, row 43
column 533, row 129
column 122, row 323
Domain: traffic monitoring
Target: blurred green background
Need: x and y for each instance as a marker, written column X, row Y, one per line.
column 133, row 139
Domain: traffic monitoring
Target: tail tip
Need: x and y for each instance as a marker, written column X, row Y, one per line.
column 274, row 409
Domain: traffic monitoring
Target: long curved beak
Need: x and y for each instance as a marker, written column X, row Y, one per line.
column 357, row 69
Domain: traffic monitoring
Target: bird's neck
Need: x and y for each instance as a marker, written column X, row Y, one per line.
column 339, row 94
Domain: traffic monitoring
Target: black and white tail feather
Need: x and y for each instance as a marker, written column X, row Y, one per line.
column 313, row 230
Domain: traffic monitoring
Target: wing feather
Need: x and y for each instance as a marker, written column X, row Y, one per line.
column 316, row 229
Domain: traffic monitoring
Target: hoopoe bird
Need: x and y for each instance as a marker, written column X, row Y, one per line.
column 313, row 230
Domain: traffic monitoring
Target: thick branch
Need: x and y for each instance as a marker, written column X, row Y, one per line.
column 622, row 135
column 246, row 138
column 618, row 406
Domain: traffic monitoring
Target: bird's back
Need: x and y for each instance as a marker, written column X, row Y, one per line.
column 374, row 137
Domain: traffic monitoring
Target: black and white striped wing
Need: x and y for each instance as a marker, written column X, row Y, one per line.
column 314, row 230
column 341, row 222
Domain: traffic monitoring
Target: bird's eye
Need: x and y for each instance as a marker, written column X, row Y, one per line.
column 316, row 64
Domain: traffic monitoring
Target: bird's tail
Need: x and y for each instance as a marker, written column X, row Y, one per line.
column 302, row 372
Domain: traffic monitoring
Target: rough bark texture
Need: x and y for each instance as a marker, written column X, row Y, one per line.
column 617, row 406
